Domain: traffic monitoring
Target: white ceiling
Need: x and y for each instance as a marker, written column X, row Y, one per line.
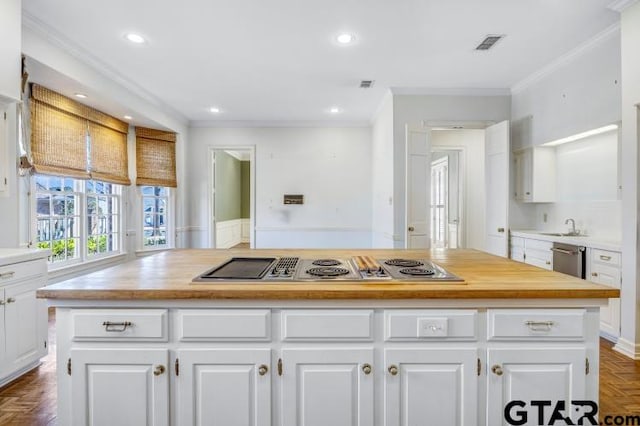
column 276, row 60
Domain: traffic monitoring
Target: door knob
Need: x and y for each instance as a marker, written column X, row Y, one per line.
column 497, row 370
column 366, row 369
column 500, row 229
column 393, row 370
column 411, row 229
column 158, row 370
column 263, row 369
column 11, row 300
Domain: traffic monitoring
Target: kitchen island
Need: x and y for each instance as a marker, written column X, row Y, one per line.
column 141, row 344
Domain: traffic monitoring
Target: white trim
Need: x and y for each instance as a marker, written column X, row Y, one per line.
column 621, row 5
column 580, row 50
column 470, row 91
column 77, row 269
column 627, row 348
column 318, row 229
column 191, row 228
column 72, row 48
column 234, row 124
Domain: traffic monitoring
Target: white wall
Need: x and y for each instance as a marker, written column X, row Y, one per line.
column 10, row 66
column 472, row 144
column 629, row 342
column 577, row 93
column 587, row 189
column 382, row 175
column 331, row 167
column 418, row 108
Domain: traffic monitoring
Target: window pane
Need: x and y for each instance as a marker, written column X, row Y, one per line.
column 92, row 225
column 147, row 190
column 102, row 205
column 92, row 205
column 70, row 205
column 42, row 182
column 43, row 206
column 92, row 245
column 72, row 248
column 149, row 205
column 55, row 184
column 90, row 186
column 43, row 230
column 68, row 184
column 71, row 227
column 58, row 204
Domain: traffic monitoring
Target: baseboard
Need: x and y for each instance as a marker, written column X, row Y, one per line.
column 16, row 374
column 610, row 337
column 627, row 348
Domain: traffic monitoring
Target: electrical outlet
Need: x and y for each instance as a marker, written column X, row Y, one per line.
column 432, row 327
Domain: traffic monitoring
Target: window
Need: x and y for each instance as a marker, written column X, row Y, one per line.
column 63, row 205
column 155, row 203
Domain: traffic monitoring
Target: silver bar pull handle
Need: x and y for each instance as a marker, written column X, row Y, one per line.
column 116, row 326
column 603, row 257
column 6, row 275
column 569, row 252
column 540, row 325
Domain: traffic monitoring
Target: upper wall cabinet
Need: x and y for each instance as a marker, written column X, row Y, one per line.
column 535, row 175
column 10, row 50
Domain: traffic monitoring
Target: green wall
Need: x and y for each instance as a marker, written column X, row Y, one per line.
column 228, row 187
column 245, row 182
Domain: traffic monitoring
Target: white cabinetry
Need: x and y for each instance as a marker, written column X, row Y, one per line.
column 4, row 151
column 533, row 252
column 383, row 366
column 438, row 384
column 119, row 387
column 23, row 331
column 10, row 50
column 535, row 170
column 224, row 387
column 327, row 386
column 603, row 267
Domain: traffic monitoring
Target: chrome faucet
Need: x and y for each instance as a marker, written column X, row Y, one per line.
column 573, row 226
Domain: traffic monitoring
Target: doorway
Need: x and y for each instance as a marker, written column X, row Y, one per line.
column 447, row 203
column 231, row 193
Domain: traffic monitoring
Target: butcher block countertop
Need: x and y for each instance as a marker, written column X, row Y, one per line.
column 167, row 275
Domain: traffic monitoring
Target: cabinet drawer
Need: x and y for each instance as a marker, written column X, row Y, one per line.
column 20, row 271
column 223, row 324
column 604, row 257
column 148, row 325
column 413, row 325
column 517, row 242
column 536, row 324
column 543, row 246
column 327, row 325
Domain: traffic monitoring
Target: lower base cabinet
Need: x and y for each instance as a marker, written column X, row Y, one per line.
column 534, row 374
column 396, row 367
column 327, row 386
column 431, row 387
column 224, row 387
column 119, row 387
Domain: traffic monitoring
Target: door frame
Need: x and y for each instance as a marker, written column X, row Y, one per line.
column 211, row 186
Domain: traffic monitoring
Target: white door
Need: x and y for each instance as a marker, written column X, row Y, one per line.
column 610, row 313
column 3, row 326
column 431, row 387
column 327, row 387
column 418, row 185
column 120, row 387
column 497, row 188
column 23, row 324
column 527, row 374
column 439, row 211
column 224, row 387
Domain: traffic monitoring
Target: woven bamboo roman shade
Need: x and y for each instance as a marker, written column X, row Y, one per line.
column 59, row 139
column 155, row 157
column 58, row 135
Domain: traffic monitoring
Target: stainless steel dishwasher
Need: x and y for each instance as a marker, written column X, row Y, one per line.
column 569, row 259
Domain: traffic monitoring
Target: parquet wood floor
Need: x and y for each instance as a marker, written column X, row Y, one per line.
column 31, row 399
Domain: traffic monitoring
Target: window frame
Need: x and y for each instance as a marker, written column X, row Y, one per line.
column 169, row 217
column 81, row 211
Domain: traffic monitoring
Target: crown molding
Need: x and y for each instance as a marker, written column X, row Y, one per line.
column 566, row 58
column 277, row 124
column 84, row 56
column 621, row 5
column 434, row 91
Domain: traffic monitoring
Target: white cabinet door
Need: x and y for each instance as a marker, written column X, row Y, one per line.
column 418, row 187
column 497, row 188
column 119, row 387
column 524, row 177
column 609, row 314
column 526, row 374
column 431, row 386
column 3, row 326
column 24, row 322
column 322, row 387
column 224, row 387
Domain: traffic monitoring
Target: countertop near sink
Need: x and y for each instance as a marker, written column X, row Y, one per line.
column 9, row 256
column 587, row 241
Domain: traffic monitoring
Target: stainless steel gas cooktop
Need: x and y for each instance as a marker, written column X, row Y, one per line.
column 358, row 268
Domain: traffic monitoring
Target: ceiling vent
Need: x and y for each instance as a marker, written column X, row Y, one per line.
column 489, row 42
column 366, row 84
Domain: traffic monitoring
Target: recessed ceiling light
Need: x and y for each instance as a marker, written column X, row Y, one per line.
column 346, row 38
column 81, row 95
column 334, row 110
column 128, row 117
column 135, row 38
column 214, row 110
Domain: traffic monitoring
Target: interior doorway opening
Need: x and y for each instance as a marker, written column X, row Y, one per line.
column 231, row 189
column 447, row 202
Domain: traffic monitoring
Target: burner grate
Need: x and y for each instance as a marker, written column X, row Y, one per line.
column 417, row 271
column 326, row 262
column 327, row 272
column 404, row 263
